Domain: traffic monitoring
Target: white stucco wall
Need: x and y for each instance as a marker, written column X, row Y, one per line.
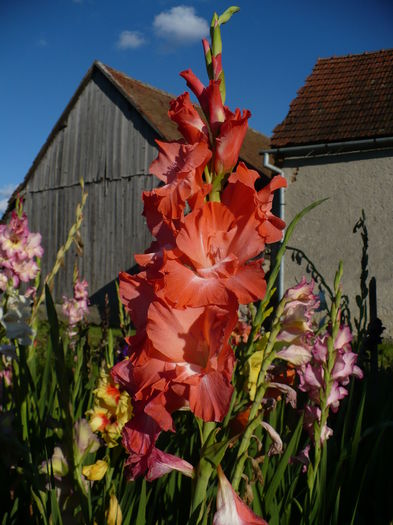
column 352, row 183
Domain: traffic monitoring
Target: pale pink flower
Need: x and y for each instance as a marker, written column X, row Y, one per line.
column 312, row 376
column 160, row 463
column 296, row 323
column 76, row 308
column 19, row 249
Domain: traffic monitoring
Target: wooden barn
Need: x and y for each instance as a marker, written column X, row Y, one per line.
column 106, row 135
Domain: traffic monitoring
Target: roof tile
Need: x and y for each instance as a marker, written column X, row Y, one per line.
column 344, row 98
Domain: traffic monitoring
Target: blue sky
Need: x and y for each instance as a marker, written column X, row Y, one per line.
column 46, row 47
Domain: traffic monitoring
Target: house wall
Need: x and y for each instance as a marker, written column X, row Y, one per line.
column 352, row 182
column 107, row 142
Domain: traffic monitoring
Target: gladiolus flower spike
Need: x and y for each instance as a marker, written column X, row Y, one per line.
column 210, row 227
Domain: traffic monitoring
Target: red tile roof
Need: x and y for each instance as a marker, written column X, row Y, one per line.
column 344, row 98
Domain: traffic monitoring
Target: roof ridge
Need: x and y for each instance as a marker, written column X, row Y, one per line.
column 354, row 55
column 144, row 84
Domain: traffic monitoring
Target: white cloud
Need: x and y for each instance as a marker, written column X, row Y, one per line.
column 180, row 25
column 5, row 194
column 130, row 40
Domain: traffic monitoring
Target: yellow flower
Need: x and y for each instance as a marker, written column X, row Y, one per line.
column 112, row 409
column 114, row 515
column 254, row 365
column 96, row 471
column 99, row 419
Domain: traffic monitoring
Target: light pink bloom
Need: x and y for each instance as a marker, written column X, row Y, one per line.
column 296, row 323
column 231, row 510
column 303, row 294
column 160, row 463
column 295, row 354
column 18, row 250
column 76, row 308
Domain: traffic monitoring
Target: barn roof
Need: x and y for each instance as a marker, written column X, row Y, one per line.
column 153, row 105
column 345, row 98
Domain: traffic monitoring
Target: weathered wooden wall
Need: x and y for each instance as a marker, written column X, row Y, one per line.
column 108, row 143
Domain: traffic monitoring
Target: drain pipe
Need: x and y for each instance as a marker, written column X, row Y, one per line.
column 281, row 200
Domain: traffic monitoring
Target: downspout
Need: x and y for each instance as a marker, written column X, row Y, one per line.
column 281, row 201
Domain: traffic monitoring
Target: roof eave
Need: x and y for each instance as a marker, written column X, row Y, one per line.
column 317, row 149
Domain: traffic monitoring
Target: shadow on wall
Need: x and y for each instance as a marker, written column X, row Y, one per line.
column 107, row 301
column 368, row 326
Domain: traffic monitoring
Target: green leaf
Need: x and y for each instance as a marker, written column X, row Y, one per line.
column 141, row 516
column 55, row 518
column 40, row 504
column 283, row 464
column 355, row 441
column 214, row 453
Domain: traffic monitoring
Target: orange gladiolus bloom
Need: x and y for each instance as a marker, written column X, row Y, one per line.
column 211, row 263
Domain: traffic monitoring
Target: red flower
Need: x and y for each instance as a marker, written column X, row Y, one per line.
column 243, row 201
column 195, row 341
column 188, row 121
column 229, row 129
column 211, row 262
column 180, row 166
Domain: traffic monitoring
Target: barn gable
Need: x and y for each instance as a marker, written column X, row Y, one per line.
column 105, row 140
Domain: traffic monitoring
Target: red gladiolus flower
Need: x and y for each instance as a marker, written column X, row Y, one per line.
column 180, row 166
column 195, row 341
column 211, row 262
column 241, row 201
column 188, row 121
column 230, row 140
column 228, row 128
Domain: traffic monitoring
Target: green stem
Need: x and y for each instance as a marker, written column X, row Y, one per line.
column 254, row 418
column 203, row 473
column 326, row 389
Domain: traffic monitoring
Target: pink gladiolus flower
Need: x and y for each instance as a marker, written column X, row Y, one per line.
column 303, row 458
column 160, row 463
column 76, row 308
column 296, row 324
column 18, row 250
column 231, row 510
column 312, row 376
